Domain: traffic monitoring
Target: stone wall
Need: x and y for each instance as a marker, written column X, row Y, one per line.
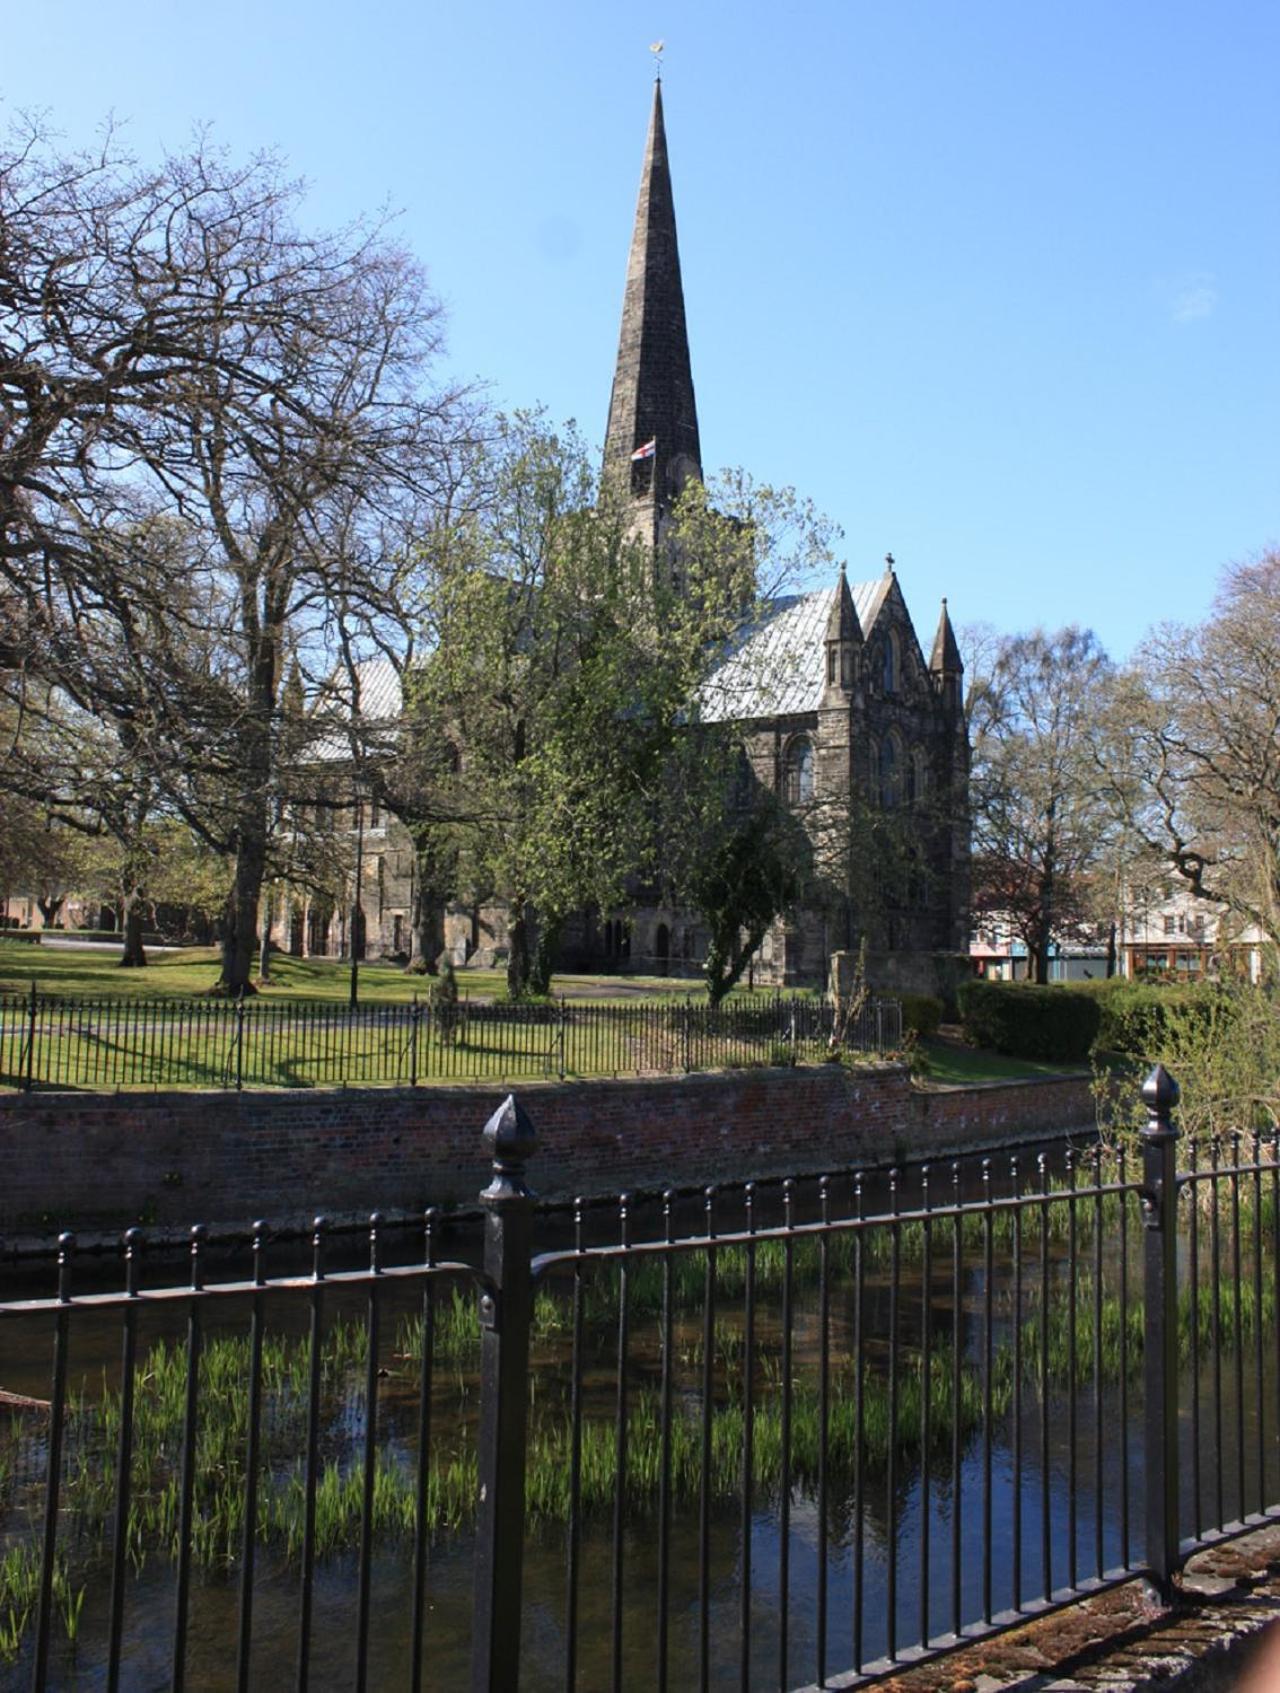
column 105, row 1160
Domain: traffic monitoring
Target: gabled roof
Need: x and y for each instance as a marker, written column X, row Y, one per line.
column 779, row 665
column 380, row 701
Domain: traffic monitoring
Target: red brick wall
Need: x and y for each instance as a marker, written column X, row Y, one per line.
column 172, row 1158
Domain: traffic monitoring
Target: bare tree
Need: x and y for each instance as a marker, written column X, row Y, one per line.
column 1194, row 753
column 1040, row 817
column 215, row 435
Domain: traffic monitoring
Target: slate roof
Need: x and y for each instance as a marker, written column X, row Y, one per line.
column 778, row 667
column 381, row 702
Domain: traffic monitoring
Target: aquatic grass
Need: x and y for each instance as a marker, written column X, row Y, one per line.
column 20, row 1593
column 89, row 1481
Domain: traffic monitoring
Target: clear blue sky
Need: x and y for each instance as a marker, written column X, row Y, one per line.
column 998, row 284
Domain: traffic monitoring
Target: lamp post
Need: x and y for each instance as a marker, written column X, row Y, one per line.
column 356, row 931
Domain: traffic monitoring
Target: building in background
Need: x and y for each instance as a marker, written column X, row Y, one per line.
column 841, row 709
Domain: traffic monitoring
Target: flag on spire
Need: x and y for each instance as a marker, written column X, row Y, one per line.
column 645, row 452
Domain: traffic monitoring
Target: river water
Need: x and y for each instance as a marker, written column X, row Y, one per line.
column 1065, row 1471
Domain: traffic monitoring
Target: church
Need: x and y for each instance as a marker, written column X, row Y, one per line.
column 842, row 715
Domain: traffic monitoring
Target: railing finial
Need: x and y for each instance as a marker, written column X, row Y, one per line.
column 1160, row 1095
column 511, row 1140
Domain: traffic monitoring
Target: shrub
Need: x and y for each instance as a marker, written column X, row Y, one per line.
column 1022, row 1021
column 921, row 1014
column 1220, row 1041
column 1143, row 1019
column 444, row 1000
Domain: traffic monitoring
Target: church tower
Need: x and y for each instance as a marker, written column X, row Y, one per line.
column 651, row 447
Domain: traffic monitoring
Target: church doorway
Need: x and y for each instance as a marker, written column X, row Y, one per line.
column 662, row 948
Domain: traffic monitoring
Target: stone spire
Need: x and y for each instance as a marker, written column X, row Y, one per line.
column 945, row 660
column 945, row 665
column 843, row 641
column 652, row 396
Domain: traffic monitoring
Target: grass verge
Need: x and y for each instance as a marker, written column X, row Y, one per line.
column 963, row 1065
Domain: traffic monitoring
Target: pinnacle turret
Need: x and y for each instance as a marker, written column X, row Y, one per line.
column 652, row 411
column 843, row 640
column 945, row 659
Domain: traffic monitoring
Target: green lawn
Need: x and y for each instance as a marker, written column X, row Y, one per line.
column 960, row 1064
column 186, row 974
column 96, row 974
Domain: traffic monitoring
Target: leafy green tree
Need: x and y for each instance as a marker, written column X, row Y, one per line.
column 557, row 674
column 749, row 873
column 546, row 757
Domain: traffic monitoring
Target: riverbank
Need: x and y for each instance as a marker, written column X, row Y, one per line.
column 1124, row 1640
column 104, row 1161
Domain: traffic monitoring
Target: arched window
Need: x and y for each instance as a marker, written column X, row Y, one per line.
column 797, row 783
column 890, row 772
column 917, row 775
column 744, row 778
column 889, row 662
column 662, row 947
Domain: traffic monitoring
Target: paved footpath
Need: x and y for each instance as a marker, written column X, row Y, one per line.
column 1212, row 1640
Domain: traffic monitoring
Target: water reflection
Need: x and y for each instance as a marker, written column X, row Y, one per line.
column 987, row 1521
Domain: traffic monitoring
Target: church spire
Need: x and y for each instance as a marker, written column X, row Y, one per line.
column 652, row 402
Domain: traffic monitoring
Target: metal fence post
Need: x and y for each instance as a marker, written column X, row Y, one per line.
column 415, row 1018
column 31, row 1041
column 240, row 1041
column 505, row 1310
column 1160, row 1327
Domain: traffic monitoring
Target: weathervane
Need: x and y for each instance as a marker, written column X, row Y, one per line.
column 656, row 48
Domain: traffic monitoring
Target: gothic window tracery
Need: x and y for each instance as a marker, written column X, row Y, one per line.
column 890, row 771
column 890, row 659
column 917, row 775
column 797, row 782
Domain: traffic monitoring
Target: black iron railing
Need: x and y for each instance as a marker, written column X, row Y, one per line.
column 781, row 1434
column 47, row 1042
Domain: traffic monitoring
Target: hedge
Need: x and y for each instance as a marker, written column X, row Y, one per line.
column 1144, row 1019
column 921, row 1014
column 1055, row 1024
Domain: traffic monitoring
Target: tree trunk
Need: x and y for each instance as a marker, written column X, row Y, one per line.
column 131, row 913
column 1040, row 956
column 426, row 921
column 1111, row 951
column 264, row 954
column 546, row 955
column 240, row 916
column 253, row 826
column 49, row 908
column 727, row 957
column 522, row 938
